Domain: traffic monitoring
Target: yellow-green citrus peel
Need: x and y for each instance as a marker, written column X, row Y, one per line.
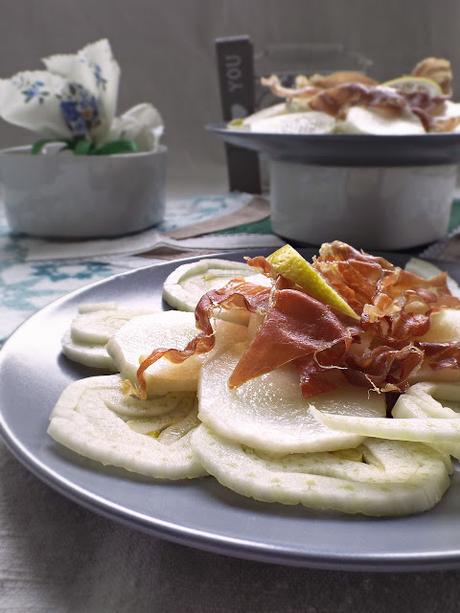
column 410, row 84
column 287, row 262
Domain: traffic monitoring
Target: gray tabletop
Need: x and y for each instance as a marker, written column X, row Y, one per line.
column 56, row 556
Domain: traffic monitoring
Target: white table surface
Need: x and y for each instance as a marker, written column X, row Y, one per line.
column 56, row 556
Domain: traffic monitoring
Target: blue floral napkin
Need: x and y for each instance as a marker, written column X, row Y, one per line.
column 75, row 100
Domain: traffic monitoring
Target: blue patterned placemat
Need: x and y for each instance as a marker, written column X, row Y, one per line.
column 26, row 286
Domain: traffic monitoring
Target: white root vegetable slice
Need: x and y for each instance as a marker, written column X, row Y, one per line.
column 129, row 407
column 420, row 401
column 269, row 413
column 91, row 329
column 309, row 122
column 291, row 482
column 271, row 111
column 185, row 286
column 361, row 120
column 92, row 355
column 165, row 329
column 430, row 393
column 432, row 431
column 83, row 422
column 90, row 307
column 96, row 327
column 179, row 428
column 387, row 462
column 445, row 324
column 444, row 327
column 410, row 408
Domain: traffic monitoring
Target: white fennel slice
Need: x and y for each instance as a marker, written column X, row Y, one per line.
column 165, row 329
column 425, row 269
column 430, row 430
column 92, row 355
column 434, row 391
column 84, row 421
column 96, row 327
column 185, row 286
column 422, row 400
column 269, row 412
column 177, row 423
column 396, row 478
column 360, row 120
column 132, row 408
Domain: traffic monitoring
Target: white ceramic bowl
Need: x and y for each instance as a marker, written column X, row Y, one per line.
column 67, row 196
column 375, row 208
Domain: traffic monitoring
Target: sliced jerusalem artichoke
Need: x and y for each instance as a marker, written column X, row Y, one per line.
column 270, row 413
column 169, row 329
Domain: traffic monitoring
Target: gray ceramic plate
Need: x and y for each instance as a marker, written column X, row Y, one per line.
column 348, row 149
column 198, row 513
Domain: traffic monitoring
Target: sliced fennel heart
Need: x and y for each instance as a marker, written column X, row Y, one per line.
column 130, row 407
column 430, row 430
column 165, row 329
column 430, row 393
column 92, row 355
column 185, row 286
column 270, row 413
column 83, row 421
column 184, row 413
column 422, row 401
column 377, row 488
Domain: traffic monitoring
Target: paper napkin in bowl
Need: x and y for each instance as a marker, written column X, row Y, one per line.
column 75, row 98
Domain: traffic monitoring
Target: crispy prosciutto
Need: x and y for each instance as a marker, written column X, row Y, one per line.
column 237, row 294
column 381, row 352
column 437, row 69
column 334, row 94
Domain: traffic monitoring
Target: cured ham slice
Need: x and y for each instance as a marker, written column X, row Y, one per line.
column 296, row 325
column 337, row 93
column 237, row 295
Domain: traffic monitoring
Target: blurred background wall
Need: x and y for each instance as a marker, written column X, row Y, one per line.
column 166, row 52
